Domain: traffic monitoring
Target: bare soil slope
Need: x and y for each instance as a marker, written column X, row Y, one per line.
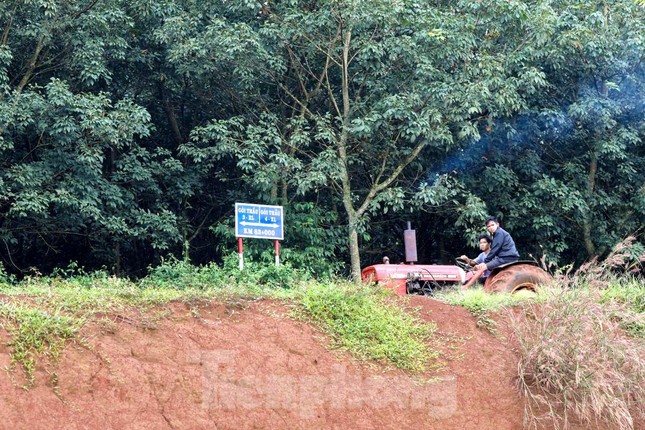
column 251, row 367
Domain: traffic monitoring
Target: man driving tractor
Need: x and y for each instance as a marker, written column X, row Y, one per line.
column 484, row 241
column 502, row 251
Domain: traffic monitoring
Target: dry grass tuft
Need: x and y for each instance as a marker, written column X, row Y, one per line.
column 577, row 364
column 625, row 258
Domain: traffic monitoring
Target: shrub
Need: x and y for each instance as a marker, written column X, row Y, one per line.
column 263, row 274
column 255, row 276
column 5, row 278
column 269, row 275
column 182, row 274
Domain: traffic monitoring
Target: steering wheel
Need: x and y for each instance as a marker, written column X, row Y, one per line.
column 463, row 264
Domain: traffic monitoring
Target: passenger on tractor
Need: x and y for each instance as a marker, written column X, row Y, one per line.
column 484, row 241
column 502, row 250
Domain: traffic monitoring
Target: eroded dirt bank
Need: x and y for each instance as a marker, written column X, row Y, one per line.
column 251, row 367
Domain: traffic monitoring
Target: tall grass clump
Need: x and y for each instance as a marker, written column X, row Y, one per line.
column 624, row 260
column 369, row 324
column 576, row 362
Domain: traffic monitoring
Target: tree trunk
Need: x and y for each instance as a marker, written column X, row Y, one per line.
column 355, row 257
column 284, row 196
column 185, row 241
column 591, row 182
column 31, row 66
column 352, row 215
column 170, row 114
column 587, row 221
column 117, row 259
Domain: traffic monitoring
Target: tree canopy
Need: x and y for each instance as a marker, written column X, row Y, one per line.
column 128, row 129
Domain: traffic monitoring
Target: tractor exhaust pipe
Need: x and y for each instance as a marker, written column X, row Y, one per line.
column 410, row 242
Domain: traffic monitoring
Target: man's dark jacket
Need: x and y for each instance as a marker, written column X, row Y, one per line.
column 502, row 247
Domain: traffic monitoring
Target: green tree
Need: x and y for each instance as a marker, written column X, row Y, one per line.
column 590, row 127
column 129, row 128
column 368, row 92
column 566, row 172
column 73, row 178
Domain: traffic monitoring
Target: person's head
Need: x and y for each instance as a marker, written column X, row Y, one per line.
column 386, row 260
column 492, row 224
column 484, row 242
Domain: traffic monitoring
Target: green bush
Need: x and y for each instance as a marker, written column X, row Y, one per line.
column 180, row 274
column 5, row 278
column 269, row 276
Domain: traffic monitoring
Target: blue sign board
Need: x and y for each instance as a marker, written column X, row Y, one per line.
column 259, row 221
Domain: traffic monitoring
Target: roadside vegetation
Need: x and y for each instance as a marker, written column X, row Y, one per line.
column 580, row 343
column 369, row 323
column 581, row 349
column 582, row 357
column 41, row 314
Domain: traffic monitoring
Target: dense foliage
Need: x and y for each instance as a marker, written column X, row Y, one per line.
column 128, row 129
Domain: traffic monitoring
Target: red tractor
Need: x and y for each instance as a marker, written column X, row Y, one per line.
column 415, row 278
column 424, row 279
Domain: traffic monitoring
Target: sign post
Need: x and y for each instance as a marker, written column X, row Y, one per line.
column 258, row 222
column 240, row 252
column 276, row 245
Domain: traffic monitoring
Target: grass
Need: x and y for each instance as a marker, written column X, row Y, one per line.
column 576, row 362
column 370, row 324
column 632, row 295
column 476, row 299
column 483, row 305
column 581, row 348
column 41, row 313
column 35, row 334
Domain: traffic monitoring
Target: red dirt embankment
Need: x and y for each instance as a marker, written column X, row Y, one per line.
column 251, row 367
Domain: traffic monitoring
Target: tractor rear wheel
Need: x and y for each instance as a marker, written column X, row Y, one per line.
column 515, row 278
